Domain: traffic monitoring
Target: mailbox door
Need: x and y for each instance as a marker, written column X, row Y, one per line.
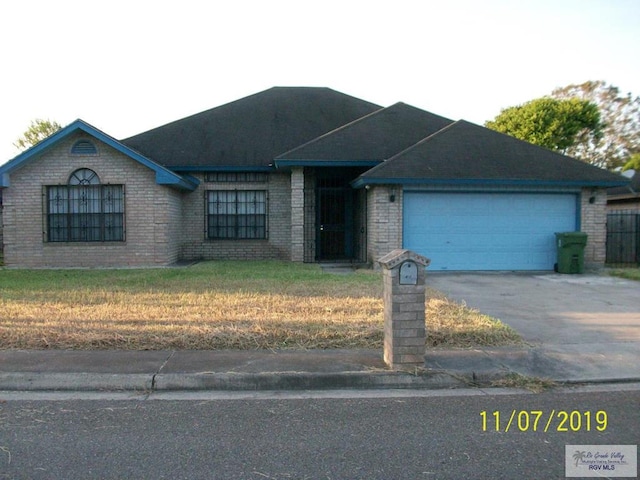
column 409, row 273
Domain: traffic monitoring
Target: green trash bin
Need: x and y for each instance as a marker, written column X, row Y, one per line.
column 571, row 252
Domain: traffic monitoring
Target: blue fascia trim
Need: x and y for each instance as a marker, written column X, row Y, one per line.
column 506, row 189
column 191, row 179
column 362, row 182
column 326, row 163
column 220, row 169
column 164, row 176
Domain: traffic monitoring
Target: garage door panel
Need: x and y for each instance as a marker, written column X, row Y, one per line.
column 482, row 231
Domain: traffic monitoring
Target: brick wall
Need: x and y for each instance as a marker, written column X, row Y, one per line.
column 297, row 214
column 594, row 224
column 384, row 219
column 195, row 245
column 150, row 210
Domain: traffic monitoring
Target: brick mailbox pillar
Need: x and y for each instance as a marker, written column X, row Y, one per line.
column 405, row 333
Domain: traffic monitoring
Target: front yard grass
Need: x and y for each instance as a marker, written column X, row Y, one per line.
column 217, row 305
column 628, row 273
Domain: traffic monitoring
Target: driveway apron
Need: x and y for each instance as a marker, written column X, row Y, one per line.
column 593, row 320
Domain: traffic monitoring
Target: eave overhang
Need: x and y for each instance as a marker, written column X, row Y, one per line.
column 224, row 168
column 363, row 182
column 325, row 163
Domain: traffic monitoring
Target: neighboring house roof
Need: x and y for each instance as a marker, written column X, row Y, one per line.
column 464, row 153
column 628, row 192
column 249, row 133
column 164, row 176
column 368, row 140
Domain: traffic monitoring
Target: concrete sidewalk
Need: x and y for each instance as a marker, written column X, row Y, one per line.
column 299, row 370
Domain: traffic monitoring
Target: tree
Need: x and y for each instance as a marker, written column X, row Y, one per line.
column 549, row 122
column 38, row 130
column 633, row 163
column 620, row 116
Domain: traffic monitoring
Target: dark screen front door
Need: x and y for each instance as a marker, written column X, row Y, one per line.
column 335, row 204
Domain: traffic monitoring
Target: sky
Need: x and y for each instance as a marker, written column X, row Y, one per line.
column 126, row 66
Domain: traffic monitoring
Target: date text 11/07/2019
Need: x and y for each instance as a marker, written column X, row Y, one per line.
column 540, row 421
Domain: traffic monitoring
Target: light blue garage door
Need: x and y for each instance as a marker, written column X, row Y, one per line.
column 487, row 231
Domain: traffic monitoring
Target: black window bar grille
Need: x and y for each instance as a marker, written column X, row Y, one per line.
column 237, row 214
column 85, row 213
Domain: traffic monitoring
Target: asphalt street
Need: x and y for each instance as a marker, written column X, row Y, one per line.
column 312, row 435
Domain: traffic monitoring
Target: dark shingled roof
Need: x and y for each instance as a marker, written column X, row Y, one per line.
column 252, row 131
column 376, row 137
column 468, row 153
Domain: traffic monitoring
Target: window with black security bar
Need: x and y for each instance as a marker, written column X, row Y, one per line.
column 85, row 213
column 225, row 177
column 237, row 214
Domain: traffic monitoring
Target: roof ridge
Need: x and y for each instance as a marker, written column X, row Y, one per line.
column 401, row 109
column 425, row 139
column 331, row 132
column 250, row 131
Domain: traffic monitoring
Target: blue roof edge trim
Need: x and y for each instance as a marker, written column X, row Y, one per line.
column 164, row 176
column 363, row 182
column 326, row 163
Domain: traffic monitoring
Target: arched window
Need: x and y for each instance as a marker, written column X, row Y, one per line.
column 84, row 210
column 84, row 147
column 84, row 176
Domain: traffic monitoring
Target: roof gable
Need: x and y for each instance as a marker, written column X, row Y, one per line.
column 470, row 154
column 250, row 132
column 163, row 175
column 372, row 138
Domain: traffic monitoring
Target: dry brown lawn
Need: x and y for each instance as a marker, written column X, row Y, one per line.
column 216, row 305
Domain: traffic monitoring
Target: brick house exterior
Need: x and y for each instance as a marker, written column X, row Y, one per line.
column 153, row 213
column 299, row 174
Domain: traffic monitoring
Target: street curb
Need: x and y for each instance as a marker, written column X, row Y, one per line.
column 33, row 381
column 304, row 381
column 265, row 381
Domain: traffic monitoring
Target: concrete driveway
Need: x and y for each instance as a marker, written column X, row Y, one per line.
column 593, row 320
